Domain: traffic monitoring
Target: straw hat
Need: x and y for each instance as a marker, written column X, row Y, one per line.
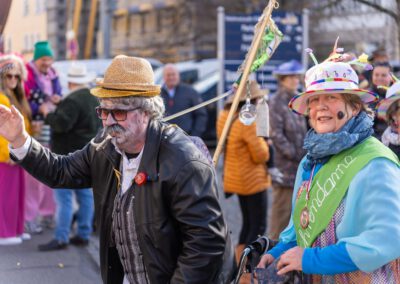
column 392, row 95
column 255, row 92
column 78, row 74
column 327, row 78
column 127, row 76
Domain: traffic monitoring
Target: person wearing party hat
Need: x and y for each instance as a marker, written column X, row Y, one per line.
column 345, row 222
column 389, row 109
column 155, row 193
column 287, row 134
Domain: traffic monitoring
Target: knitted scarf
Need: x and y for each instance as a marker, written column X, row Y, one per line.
column 320, row 147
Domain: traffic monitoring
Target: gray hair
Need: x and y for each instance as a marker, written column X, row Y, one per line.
column 153, row 106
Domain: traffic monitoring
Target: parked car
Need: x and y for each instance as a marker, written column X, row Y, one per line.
column 98, row 66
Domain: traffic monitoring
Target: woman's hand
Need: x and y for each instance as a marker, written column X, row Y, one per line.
column 266, row 260
column 290, row 260
column 12, row 126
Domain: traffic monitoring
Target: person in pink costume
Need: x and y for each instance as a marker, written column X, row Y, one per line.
column 12, row 183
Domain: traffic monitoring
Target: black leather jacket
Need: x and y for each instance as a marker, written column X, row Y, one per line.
column 179, row 222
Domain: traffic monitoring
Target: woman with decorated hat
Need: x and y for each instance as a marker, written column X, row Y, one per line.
column 345, row 222
column 389, row 109
column 12, row 185
column 245, row 172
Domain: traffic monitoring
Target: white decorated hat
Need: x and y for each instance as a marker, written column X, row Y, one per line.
column 331, row 77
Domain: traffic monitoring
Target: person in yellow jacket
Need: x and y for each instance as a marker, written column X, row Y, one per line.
column 12, row 184
column 245, row 171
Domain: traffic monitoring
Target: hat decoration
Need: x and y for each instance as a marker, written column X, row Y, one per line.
column 392, row 95
column 333, row 76
column 259, row 113
column 248, row 112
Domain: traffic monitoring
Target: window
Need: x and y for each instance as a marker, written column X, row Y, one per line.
column 39, row 6
column 143, row 23
column 26, row 7
column 9, row 45
column 26, row 42
column 158, row 21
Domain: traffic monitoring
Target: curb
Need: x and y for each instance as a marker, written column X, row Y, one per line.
column 93, row 249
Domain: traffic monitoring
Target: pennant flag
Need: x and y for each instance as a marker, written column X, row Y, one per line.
column 270, row 40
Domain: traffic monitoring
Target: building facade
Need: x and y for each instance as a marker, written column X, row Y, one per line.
column 26, row 24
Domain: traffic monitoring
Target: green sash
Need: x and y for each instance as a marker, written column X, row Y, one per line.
column 330, row 185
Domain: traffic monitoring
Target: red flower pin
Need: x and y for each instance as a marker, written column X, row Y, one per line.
column 140, row 178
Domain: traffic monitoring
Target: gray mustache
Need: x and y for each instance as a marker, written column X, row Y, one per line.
column 113, row 128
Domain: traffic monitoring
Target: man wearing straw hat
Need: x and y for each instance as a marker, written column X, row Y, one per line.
column 155, row 193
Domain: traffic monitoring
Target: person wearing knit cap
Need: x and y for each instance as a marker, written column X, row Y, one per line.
column 42, row 86
column 74, row 123
column 155, row 192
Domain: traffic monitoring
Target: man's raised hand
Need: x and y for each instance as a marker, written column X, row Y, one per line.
column 12, row 126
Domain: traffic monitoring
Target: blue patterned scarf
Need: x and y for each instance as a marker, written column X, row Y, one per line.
column 320, row 147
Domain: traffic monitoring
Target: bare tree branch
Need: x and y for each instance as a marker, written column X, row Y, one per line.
column 380, row 8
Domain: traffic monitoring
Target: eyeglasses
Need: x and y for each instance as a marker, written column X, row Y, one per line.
column 116, row 114
column 10, row 76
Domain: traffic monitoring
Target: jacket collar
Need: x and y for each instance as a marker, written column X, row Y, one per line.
column 149, row 162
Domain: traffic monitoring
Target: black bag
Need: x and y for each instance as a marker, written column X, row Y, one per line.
column 269, row 275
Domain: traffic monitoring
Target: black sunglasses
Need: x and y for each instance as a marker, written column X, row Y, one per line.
column 10, row 76
column 117, row 114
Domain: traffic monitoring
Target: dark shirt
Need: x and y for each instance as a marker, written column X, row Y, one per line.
column 193, row 123
column 74, row 123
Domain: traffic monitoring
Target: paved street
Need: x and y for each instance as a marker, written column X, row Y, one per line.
column 24, row 264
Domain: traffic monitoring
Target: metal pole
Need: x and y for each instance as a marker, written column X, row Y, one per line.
column 105, row 26
column 249, row 60
column 306, row 39
column 221, row 55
